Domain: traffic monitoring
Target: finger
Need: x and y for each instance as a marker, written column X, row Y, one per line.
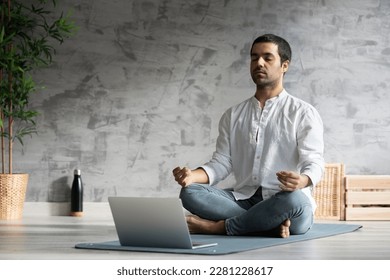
column 176, row 170
column 294, row 176
column 290, row 178
column 283, row 187
column 281, row 177
column 181, row 173
column 292, row 182
column 283, row 173
column 289, row 185
column 181, row 176
column 179, row 179
column 286, row 188
column 283, row 180
column 182, row 182
column 287, row 174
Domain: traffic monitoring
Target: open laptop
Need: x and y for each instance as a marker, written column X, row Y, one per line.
column 151, row 222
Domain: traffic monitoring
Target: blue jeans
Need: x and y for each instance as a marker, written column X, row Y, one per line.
column 252, row 216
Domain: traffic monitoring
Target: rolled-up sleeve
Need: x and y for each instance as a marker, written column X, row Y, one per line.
column 311, row 145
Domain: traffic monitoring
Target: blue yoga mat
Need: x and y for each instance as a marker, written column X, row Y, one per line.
column 231, row 244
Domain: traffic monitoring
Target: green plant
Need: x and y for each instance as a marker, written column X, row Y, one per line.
column 28, row 33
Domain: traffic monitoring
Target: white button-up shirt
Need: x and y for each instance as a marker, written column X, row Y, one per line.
column 255, row 143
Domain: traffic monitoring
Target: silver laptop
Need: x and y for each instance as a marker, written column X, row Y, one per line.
column 151, row 222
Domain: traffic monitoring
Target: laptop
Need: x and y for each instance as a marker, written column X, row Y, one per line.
column 152, row 222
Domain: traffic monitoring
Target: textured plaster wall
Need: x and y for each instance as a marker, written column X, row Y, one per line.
column 141, row 87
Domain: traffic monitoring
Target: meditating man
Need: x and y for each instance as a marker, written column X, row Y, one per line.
column 273, row 145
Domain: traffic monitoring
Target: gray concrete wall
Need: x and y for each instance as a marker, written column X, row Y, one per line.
column 141, row 87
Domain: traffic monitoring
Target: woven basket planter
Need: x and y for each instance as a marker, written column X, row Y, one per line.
column 12, row 195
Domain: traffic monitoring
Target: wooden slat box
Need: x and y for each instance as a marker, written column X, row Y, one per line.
column 367, row 197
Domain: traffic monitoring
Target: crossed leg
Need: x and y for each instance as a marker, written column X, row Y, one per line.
column 199, row 225
column 218, row 213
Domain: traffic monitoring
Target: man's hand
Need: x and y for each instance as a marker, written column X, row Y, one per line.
column 183, row 176
column 291, row 181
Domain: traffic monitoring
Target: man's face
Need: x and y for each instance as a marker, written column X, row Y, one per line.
column 266, row 68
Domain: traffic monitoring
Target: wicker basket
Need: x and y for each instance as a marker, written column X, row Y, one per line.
column 329, row 193
column 12, row 195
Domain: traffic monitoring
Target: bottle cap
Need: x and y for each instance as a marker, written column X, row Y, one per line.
column 77, row 172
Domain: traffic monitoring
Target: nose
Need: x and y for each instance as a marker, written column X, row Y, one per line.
column 260, row 62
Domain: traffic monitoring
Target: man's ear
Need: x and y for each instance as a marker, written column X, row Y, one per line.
column 285, row 65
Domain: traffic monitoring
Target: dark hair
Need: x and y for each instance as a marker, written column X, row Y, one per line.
column 284, row 48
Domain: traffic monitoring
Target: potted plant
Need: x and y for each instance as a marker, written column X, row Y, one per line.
column 29, row 31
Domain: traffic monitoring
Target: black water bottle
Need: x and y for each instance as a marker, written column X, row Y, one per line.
column 76, row 208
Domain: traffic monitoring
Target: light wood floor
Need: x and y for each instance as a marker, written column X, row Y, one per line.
column 54, row 237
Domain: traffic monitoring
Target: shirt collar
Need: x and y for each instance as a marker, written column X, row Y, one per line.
column 280, row 96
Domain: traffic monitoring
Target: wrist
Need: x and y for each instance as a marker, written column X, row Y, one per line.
column 200, row 176
column 306, row 181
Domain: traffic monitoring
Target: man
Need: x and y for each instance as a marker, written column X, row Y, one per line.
column 273, row 144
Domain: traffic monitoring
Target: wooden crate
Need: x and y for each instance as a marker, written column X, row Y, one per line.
column 329, row 193
column 367, row 197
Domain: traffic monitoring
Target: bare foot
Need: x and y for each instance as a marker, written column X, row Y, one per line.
column 199, row 225
column 284, row 229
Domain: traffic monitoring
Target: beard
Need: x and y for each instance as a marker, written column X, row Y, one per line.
column 264, row 82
